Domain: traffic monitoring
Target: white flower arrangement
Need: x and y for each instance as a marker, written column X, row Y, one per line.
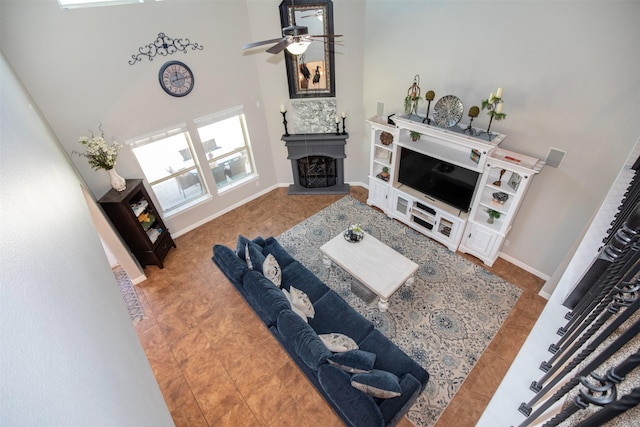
column 99, row 154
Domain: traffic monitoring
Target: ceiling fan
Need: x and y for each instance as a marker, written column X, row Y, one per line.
column 295, row 38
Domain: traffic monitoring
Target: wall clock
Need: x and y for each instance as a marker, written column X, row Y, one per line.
column 176, row 78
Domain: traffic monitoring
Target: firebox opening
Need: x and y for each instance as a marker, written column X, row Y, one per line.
column 317, row 171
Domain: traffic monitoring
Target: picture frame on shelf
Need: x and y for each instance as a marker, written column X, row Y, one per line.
column 382, row 154
column 514, row 181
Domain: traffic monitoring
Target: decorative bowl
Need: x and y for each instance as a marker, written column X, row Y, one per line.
column 353, row 234
column 500, row 197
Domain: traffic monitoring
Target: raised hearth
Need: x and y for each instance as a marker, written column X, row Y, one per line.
column 317, row 163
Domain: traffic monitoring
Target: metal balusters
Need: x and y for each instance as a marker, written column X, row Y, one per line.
column 602, row 393
column 627, row 335
column 612, row 410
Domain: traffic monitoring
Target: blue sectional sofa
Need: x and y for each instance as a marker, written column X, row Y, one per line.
column 332, row 315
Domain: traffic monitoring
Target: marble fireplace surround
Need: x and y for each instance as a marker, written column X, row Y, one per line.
column 317, row 144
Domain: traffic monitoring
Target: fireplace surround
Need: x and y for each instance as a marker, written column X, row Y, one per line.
column 317, row 163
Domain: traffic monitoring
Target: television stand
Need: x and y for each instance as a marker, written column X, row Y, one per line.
column 470, row 231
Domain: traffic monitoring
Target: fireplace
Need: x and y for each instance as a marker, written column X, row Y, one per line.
column 317, row 163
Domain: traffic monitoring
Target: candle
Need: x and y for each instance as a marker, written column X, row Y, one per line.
column 344, row 115
column 491, row 96
column 499, row 108
column 337, row 119
column 499, row 93
column 283, row 109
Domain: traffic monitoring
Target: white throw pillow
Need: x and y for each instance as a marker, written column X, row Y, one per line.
column 300, row 300
column 271, row 270
column 295, row 309
column 338, row 343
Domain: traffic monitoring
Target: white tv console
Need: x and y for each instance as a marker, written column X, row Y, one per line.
column 467, row 232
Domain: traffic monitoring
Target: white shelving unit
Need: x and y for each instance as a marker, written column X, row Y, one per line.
column 458, row 230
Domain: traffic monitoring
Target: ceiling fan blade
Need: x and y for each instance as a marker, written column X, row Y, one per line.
column 250, row 45
column 325, row 35
column 279, row 47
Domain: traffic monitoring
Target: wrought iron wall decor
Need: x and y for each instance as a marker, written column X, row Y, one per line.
column 163, row 46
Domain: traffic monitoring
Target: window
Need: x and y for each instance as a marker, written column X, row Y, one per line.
column 184, row 163
column 225, row 141
column 167, row 161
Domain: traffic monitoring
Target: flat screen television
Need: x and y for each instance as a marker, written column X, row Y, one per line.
column 451, row 184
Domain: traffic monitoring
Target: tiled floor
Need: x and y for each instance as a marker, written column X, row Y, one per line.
column 216, row 363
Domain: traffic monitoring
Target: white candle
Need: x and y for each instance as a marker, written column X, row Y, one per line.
column 283, row 108
column 499, row 108
column 491, row 96
column 344, row 115
column 337, row 119
column 499, row 93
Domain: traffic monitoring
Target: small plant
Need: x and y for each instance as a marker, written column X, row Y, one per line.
column 415, row 135
column 384, row 175
column 492, row 215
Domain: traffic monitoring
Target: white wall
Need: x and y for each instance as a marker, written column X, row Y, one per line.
column 568, row 70
column 69, row 352
column 570, row 76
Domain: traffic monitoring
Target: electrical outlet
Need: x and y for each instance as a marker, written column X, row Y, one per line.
column 506, row 242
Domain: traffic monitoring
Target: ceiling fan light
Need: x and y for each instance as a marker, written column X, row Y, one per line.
column 298, row 48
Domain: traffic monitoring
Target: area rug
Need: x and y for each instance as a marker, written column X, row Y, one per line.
column 444, row 321
column 129, row 295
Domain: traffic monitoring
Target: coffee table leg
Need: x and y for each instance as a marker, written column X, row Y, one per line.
column 410, row 280
column 383, row 304
column 326, row 261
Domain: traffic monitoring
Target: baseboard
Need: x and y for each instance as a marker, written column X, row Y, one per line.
column 524, row 266
column 226, row 210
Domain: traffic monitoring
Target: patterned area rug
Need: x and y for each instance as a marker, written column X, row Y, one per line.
column 129, row 294
column 444, row 321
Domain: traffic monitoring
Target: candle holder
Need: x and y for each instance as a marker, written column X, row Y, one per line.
column 337, row 127
column 284, row 122
column 473, row 113
column 429, row 96
column 344, row 132
column 493, row 104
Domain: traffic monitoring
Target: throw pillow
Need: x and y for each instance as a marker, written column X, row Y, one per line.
column 253, row 257
column 302, row 301
column 295, row 309
column 303, row 339
column 338, row 343
column 354, row 361
column 377, row 383
column 271, row 270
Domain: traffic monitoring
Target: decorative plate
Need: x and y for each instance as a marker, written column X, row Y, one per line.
column 448, row 111
column 386, row 138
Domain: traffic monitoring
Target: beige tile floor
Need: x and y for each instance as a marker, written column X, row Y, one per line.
column 216, row 363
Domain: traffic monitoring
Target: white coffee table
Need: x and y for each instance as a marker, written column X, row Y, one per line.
column 372, row 263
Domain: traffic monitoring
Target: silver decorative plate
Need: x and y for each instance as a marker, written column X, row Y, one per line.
column 448, row 111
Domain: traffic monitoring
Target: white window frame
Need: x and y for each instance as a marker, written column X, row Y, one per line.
column 78, row 4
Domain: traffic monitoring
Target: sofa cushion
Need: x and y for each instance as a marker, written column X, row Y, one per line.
column 352, row 404
column 297, row 275
column 242, row 243
column 354, row 361
column 263, row 295
column 377, row 383
column 333, row 314
column 272, row 246
column 229, row 262
column 394, row 409
column 305, row 341
column 339, row 343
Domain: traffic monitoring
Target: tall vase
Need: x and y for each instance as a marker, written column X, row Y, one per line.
column 117, row 182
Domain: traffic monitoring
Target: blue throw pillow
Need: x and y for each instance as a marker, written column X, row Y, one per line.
column 304, row 339
column 242, row 243
column 263, row 295
column 271, row 246
column 377, row 383
column 255, row 259
column 354, row 361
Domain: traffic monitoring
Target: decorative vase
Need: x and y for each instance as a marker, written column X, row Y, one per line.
column 117, row 182
column 490, row 220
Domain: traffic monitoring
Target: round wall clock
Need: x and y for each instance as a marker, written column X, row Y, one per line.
column 176, row 78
